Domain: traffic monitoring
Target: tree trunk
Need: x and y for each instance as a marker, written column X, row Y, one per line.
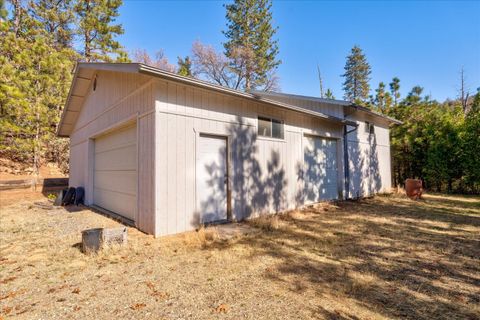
column 17, row 15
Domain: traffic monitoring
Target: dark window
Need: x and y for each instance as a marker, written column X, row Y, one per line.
column 264, row 127
column 272, row 128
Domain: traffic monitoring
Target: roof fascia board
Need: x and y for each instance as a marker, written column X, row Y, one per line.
column 301, row 97
column 327, row 101
column 374, row 113
column 67, row 102
column 206, row 85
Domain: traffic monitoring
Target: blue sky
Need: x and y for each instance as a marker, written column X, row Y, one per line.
column 421, row 42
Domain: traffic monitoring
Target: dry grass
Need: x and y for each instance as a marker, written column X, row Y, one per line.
column 386, row 257
column 203, row 237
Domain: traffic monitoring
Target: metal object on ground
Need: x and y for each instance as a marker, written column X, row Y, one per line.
column 96, row 239
column 115, row 236
column 413, row 188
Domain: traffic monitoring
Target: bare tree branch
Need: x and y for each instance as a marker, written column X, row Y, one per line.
column 160, row 61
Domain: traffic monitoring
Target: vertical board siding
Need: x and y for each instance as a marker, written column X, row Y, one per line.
column 369, row 159
column 146, row 174
column 265, row 174
column 118, row 97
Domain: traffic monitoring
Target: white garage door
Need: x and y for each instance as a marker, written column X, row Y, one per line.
column 320, row 176
column 115, row 172
column 212, row 178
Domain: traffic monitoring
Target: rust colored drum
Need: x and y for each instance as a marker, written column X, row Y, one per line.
column 413, row 188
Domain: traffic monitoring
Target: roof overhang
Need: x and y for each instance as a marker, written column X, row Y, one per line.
column 339, row 103
column 374, row 113
column 85, row 72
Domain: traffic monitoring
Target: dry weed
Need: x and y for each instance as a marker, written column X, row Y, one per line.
column 138, row 306
column 222, row 308
column 203, row 237
column 267, row 222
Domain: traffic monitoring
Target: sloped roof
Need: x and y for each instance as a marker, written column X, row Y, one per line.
column 85, row 72
column 340, row 103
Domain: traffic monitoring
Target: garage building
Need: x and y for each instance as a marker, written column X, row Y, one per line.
column 166, row 153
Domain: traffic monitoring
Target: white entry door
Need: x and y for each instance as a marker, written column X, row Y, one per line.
column 115, row 172
column 211, row 178
column 320, row 178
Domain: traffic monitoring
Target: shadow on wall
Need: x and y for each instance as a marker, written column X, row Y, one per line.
column 313, row 173
column 218, row 190
column 364, row 167
column 255, row 190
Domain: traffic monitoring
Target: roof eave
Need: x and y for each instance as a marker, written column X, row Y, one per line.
column 148, row 70
column 64, row 111
column 364, row 109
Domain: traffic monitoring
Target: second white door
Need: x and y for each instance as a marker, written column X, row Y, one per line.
column 211, row 178
column 320, row 178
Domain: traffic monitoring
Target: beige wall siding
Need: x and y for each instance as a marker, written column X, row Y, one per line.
column 265, row 174
column 369, row 158
column 146, row 173
column 119, row 98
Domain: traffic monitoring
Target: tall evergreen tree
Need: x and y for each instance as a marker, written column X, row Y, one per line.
column 395, row 90
column 250, row 45
column 185, row 66
column 34, row 79
column 357, row 76
column 56, row 17
column 97, row 29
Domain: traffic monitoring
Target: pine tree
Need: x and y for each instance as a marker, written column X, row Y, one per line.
column 357, row 76
column 471, row 145
column 97, row 29
column 3, row 11
column 185, row 66
column 329, row 95
column 56, row 17
column 250, row 44
column 382, row 101
column 395, row 90
column 34, row 80
column 18, row 13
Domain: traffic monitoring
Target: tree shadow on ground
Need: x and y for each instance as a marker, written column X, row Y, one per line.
column 400, row 258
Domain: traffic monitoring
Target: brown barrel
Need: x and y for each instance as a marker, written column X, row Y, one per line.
column 413, row 188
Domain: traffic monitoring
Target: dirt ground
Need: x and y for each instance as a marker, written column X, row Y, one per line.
column 386, row 257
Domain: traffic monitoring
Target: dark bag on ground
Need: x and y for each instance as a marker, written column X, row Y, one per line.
column 69, row 197
column 79, row 195
column 59, row 198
